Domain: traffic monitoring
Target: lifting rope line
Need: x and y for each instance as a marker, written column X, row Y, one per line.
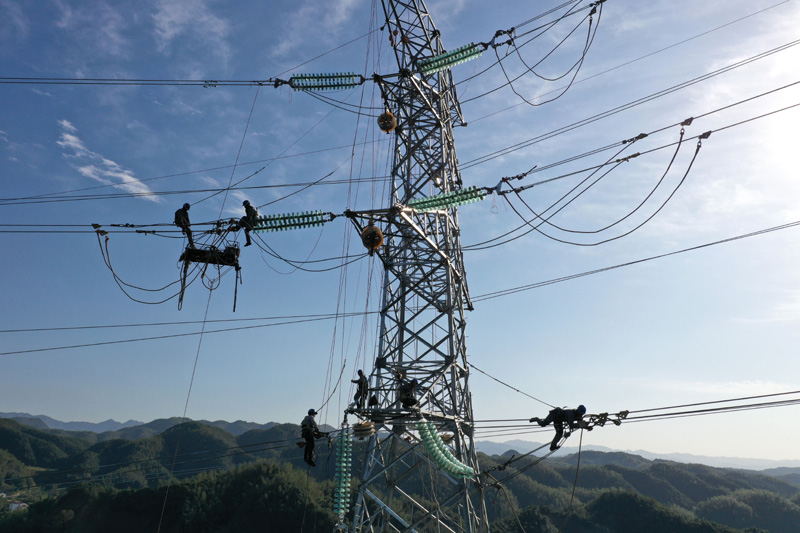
column 574, row 484
column 205, row 316
column 185, row 408
column 510, row 387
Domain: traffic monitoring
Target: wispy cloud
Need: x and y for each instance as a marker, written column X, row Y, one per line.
column 786, row 309
column 176, row 18
column 725, row 388
column 98, row 168
column 98, row 24
column 326, row 17
column 13, row 22
column 67, row 125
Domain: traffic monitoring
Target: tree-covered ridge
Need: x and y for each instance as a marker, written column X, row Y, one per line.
column 263, row 497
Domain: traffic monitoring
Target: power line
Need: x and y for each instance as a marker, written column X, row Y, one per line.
column 297, row 319
column 181, row 323
column 642, row 57
column 537, row 285
column 224, row 167
column 624, row 107
column 491, row 243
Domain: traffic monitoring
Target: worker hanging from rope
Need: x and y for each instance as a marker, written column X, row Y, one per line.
column 309, row 431
column 182, row 221
column 362, row 389
column 249, row 220
column 572, row 418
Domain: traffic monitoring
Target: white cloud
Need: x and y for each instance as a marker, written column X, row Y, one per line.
column 98, row 168
column 69, row 141
column 67, row 125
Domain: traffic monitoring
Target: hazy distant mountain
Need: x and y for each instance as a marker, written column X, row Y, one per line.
column 52, row 423
column 524, row 446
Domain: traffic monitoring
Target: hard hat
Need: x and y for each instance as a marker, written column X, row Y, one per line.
column 582, row 409
column 414, row 381
column 246, row 202
column 312, row 412
column 186, row 206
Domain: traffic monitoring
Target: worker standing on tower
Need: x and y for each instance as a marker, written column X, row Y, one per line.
column 182, row 221
column 362, row 389
column 248, row 220
column 572, row 418
column 309, row 431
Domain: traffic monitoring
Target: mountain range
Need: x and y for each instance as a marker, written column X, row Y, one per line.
column 217, row 471
column 134, row 429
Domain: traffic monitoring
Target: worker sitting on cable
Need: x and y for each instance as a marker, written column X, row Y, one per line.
column 362, row 389
column 572, row 418
column 182, row 221
column 248, row 221
column 309, row 431
column 407, row 393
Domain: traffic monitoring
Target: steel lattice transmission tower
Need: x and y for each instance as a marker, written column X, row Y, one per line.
column 425, row 296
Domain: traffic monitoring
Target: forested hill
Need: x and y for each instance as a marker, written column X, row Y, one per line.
column 258, row 476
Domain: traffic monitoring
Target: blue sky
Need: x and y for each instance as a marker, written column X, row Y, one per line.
column 716, row 323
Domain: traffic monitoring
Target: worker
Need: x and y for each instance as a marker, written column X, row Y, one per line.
column 407, row 393
column 572, row 418
column 309, row 431
column 362, row 389
column 182, row 221
column 248, row 220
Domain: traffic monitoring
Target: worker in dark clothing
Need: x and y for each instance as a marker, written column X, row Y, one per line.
column 182, row 221
column 248, row 221
column 407, row 393
column 309, row 431
column 362, row 389
column 572, row 418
